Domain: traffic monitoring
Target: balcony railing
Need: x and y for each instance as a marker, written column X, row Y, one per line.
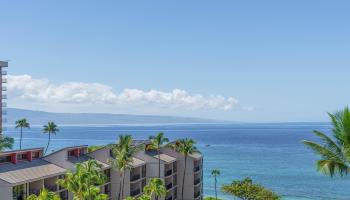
column 169, row 186
column 4, row 73
column 196, row 169
column 33, row 191
column 4, row 96
column 135, row 177
column 197, row 194
column 52, row 188
column 169, row 172
column 197, row 181
column 135, row 192
column 4, row 80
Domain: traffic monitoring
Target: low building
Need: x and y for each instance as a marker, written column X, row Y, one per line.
column 26, row 172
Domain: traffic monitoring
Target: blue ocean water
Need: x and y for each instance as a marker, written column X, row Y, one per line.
column 271, row 154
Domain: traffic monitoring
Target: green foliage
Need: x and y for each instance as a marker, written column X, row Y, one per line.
column 5, row 142
column 157, row 142
column 247, row 190
column 94, row 148
column 123, row 153
column 50, row 128
column 44, row 195
column 21, row 123
column 85, row 182
column 211, row 198
column 155, row 187
column 334, row 152
column 215, row 173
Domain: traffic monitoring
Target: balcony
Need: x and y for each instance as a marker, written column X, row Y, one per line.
column 197, row 181
column 4, row 73
column 51, row 188
column 169, row 186
column 197, row 194
column 34, row 191
column 4, row 80
column 135, row 192
column 169, row 172
column 4, row 96
column 135, row 177
column 196, row 169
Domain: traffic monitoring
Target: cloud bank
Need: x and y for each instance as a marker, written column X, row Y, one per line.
column 42, row 90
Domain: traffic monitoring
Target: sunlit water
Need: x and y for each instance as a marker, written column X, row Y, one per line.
column 271, row 154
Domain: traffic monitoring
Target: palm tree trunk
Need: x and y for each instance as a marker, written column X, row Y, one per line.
column 20, row 141
column 48, row 143
column 183, row 179
column 120, row 185
column 216, row 193
column 123, row 185
column 158, row 163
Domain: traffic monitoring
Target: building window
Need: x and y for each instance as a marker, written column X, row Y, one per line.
column 5, row 159
column 22, row 156
column 36, row 154
column 71, row 153
column 107, row 173
column 18, row 192
column 64, row 195
column 107, row 190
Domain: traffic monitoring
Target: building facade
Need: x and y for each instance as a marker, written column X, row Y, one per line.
column 26, row 172
column 3, row 90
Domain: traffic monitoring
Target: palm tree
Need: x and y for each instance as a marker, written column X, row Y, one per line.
column 50, row 128
column 5, row 142
column 123, row 153
column 44, row 195
column 215, row 173
column 22, row 123
column 85, row 182
column 185, row 147
column 157, row 142
column 155, row 187
column 335, row 151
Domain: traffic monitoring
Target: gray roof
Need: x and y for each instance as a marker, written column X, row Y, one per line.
column 85, row 158
column 28, row 171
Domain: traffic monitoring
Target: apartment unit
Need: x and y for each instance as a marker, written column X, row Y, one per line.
column 27, row 171
column 3, row 95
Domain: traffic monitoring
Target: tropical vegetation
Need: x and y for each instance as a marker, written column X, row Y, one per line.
column 85, row 182
column 21, row 123
column 211, row 198
column 215, row 173
column 123, row 153
column 185, row 147
column 5, row 142
column 157, row 142
column 334, row 150
column 247, row 190
column 50, row 128
column 44, row 195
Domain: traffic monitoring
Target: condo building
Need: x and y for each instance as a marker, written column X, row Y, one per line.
column 26, row 172
column 3, row 90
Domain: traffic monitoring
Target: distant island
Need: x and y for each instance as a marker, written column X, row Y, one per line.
column 41, row 117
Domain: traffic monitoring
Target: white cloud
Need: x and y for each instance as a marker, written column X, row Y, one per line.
column 42, row 90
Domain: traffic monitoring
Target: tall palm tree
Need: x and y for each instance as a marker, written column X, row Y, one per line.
column 85, row 182
column 22, row 123
column 157, row 142
column 155, row 187
column 44, row 195
column 185, row 147
column 123, row 153
column 334, row 151
column 5, row 142
column 50, row 128
column 215, row 173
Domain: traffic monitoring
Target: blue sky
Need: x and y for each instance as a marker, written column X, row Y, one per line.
column 279, row 60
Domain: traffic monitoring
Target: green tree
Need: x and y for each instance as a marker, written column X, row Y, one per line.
column 157, row 142
column 5, row 143
column 247, row 190
column 185, row 147
column 156, row 188
column 211, row 198
column 85, row 182
column 94, row 148
column 123, row 153
column 44, row 195
column 334, row 152
column 50, row 128
column 22, row 123
column 215, row 173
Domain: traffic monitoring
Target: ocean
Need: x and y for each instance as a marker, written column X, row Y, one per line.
column 270, row 154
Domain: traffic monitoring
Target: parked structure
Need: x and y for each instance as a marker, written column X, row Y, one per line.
column 26, row 172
